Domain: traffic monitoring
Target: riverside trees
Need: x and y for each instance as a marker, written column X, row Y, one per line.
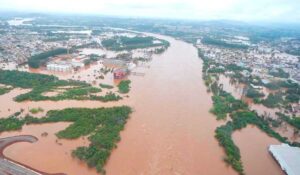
column 101, row 125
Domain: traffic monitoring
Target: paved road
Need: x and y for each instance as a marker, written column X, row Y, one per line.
column 9, row 167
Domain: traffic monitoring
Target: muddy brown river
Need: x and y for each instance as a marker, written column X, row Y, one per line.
column 170, row 132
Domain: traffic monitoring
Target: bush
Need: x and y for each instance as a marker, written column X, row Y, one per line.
column 36, row 60
column 4, row 90
column 252, row 93
column 273, row 100
column 105, row 86
column 124, row 86
column 36, row 110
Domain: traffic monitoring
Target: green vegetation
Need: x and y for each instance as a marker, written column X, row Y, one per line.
column 279, row 73
column 220, row 43
column 252, row 93
column 295, row 52
column 4, row 90
column 234, row 68
column 294, row 121
column 101, row 125
column 40, row 84
column 224, row 103
column 36, row 60
column 25, row 79
column 110, row 96
column 129, row 43
column 105, row 86
column 240, row 120
column 11, row 123
column 36, row 110
column 124, row 86
column 273, row 100
column 293, row 98
column 274, row 85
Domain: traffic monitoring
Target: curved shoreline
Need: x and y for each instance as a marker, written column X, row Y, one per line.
column 5, row 142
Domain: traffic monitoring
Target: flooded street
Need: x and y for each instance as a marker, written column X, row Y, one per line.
column 170, row 132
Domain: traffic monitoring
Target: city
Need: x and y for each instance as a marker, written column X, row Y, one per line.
column 91, row 93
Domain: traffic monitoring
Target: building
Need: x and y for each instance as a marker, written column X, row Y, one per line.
column 120, row 73
column 59, row 67
column 76, row 63
column 114, row 63
column 287, row 157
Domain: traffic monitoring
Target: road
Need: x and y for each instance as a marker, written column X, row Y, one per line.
column 10, row 167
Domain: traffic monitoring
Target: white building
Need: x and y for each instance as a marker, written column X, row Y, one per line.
column 60, row 67
column 288, row 158
column 76, row 63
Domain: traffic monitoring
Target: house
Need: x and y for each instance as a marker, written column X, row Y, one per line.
column 120, row 73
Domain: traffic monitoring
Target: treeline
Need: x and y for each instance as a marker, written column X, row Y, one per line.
column 240, row 120
column 220, row 43
column 225, row 104
column 40, row 83
column 39, row 59
column 294, row 121
column 129, row 43
column 110, row 96
column 25, row 79
column 106, row 86
column 103, row 125
column 253, row 93
column 279, row 73
column 4, row 90
column 11, row 123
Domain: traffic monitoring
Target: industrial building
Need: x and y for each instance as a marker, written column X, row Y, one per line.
column 287, row 157
column 59, row 67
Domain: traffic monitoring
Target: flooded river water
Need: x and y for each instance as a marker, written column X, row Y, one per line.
column 170, row 132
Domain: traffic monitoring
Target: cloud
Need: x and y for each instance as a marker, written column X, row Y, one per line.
column 249, row 10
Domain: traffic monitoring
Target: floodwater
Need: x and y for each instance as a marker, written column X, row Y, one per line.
column 48, row 154
column 9, row 106
column 238, row 91
column 170, row 132
column 253, row 145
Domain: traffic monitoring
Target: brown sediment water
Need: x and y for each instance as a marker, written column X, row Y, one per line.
column 238, row 91
column 48, row 154
column 170, row 131
column 253, row 145
column 9, row 106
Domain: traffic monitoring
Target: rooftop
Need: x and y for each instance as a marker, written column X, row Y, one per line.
column 288, row 158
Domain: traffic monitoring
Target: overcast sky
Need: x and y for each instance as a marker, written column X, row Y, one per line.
column 245, row 10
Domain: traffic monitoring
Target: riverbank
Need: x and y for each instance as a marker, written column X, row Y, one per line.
column 8, row 165
column 171, row 130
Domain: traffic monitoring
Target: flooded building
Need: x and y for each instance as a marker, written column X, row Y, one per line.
column 59, row 67
column 120, row 73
